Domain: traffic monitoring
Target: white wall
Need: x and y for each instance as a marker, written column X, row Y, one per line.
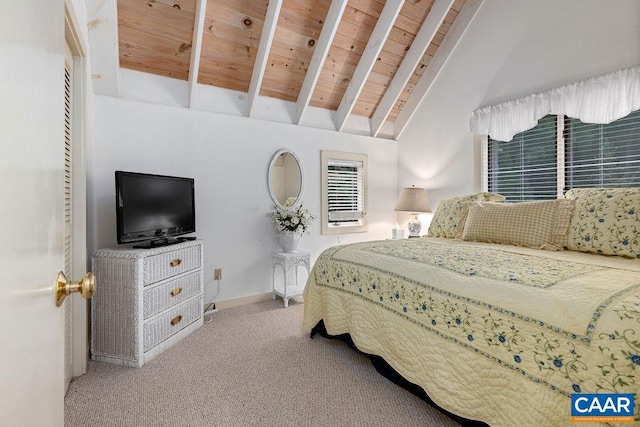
column 511, row 49
column 229, row 158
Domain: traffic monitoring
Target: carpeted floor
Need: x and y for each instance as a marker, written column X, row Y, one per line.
column 250, row 366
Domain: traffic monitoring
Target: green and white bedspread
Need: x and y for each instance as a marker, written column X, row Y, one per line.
column 492, row 332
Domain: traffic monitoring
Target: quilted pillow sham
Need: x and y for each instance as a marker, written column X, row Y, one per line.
column 539, row 225
column 451, row 214
column 605, row 221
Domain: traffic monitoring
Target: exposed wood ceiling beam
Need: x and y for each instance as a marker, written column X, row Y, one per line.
column 266, row 40
column 413, row 57
column 329, row 29
column 436, row 64
column 196, row 48
column 367, row 60
column 103, row 38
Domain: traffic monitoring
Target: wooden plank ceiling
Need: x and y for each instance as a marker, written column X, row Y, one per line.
column 365, row 44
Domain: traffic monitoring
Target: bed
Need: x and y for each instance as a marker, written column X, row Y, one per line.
column 495, row 332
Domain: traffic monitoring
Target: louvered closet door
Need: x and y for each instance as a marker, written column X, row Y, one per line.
column 68, row 208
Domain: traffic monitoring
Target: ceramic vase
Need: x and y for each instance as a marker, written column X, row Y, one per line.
column 289, row 240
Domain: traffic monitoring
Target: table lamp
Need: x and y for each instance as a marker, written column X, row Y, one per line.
column 413, row 200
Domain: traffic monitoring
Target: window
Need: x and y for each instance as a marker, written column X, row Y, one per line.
column 561, row 153
column 344, row 192
column 525, row 168
column 603, row 155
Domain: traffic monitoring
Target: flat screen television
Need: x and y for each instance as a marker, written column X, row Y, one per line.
column 153, row 209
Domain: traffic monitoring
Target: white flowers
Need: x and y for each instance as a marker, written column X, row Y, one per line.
column 294, row 220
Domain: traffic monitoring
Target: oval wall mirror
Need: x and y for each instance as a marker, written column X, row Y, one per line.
column 285, row 179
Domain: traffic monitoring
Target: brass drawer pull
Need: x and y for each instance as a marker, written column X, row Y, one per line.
column 176, row 262
column 176, row 291
column 176, row 320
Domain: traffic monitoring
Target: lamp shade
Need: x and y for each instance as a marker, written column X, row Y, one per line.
column 413, row 199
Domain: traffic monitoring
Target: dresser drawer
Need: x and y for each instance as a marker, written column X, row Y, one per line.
column 171, row 322
column 173, row 292
column 162, row 266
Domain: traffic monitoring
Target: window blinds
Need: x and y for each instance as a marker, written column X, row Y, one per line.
column 595, row 155
column 603, row 155
column 345, row 191
column 525, row 168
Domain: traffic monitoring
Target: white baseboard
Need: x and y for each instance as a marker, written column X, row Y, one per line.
column 238, row 302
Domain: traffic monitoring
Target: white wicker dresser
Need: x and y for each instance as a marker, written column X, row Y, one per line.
column 145, row 301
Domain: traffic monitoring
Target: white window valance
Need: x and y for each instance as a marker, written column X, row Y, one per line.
column 601, row 99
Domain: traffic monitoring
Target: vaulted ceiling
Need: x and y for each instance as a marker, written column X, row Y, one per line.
column 373, row 59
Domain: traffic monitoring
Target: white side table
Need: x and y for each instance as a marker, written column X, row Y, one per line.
column 287, row 261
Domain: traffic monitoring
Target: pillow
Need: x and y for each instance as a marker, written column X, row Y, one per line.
column 448, row 220
column 539, row 225
column 605, row 221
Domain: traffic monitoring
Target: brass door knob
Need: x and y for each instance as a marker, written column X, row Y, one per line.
column 64, row 287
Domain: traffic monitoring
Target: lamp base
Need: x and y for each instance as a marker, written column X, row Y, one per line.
column 414, row 226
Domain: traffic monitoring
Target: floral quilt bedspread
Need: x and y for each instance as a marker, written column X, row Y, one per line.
column 563, row 322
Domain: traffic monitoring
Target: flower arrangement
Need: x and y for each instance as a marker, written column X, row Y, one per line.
column 294, row 220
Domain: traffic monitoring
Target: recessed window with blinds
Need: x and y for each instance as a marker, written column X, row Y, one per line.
column 525, row 168
column 603, row 155
column 590, row 155
column 345, row 198
column 344, row 192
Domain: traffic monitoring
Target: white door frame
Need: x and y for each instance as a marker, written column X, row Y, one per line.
column 81, row 92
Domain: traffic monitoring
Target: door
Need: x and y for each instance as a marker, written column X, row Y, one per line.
column 31, row 338
column 31, row 213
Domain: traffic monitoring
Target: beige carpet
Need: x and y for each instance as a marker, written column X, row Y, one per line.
column 250, row 366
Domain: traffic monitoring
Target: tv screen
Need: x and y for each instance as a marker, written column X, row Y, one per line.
column 153, row 208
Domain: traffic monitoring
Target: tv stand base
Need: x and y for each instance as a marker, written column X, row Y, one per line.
column 156, row 243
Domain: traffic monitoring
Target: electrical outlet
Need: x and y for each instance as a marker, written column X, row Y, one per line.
column 217, row 274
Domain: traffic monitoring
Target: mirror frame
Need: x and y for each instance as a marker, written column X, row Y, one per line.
column 270, row 179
